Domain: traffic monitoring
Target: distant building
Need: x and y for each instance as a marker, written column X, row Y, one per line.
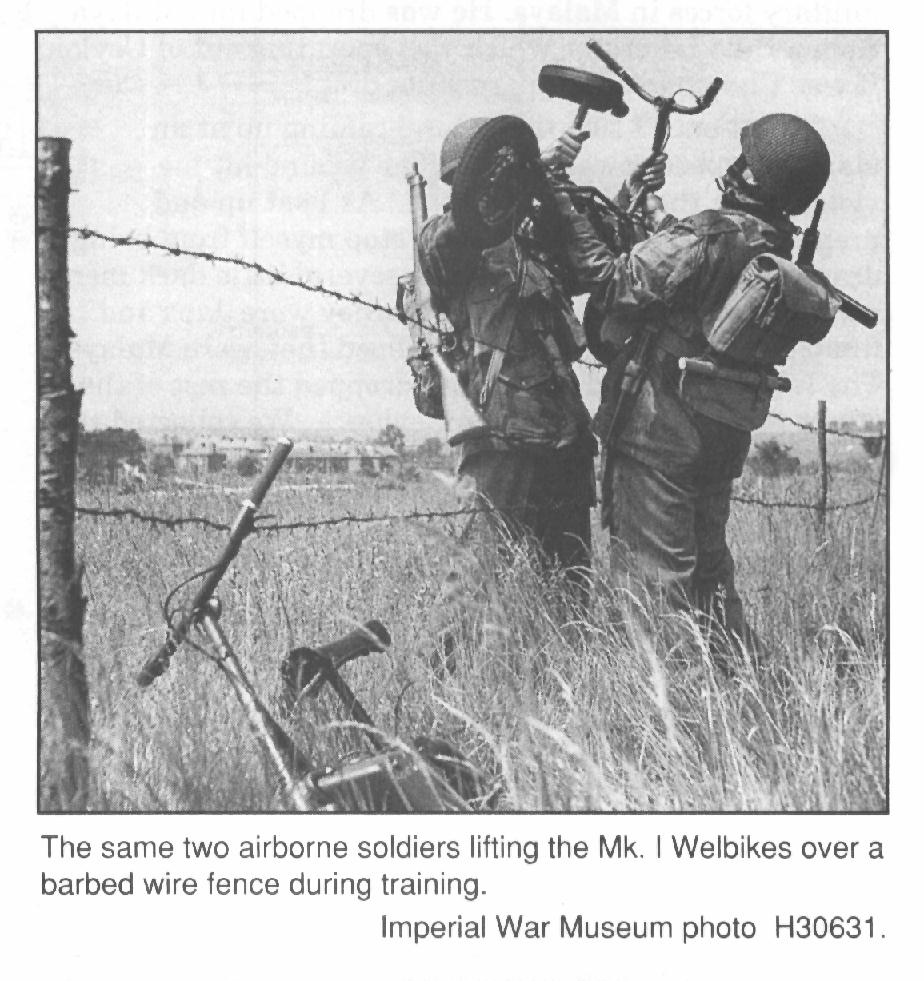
column 201, row 456
column 341, row 458
column 171, row 446
column 209, row 454
column 236, row 448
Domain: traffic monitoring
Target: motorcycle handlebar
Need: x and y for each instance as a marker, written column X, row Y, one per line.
column 701, row 102
column 371, row 637
column 155, row 666
column 309, row 666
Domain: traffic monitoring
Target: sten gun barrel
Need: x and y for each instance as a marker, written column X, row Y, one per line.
column 854, row 309
column 857, row 311
column 424, row 304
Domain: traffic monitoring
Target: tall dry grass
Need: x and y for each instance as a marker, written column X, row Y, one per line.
column 615, row 707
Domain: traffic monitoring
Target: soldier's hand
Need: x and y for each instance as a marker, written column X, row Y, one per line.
column 653, row 211
column 649, row 173
column 563, row 151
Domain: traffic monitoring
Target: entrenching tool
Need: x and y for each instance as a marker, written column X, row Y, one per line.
column 755, row 379
column 665, row 105
column 587, row 90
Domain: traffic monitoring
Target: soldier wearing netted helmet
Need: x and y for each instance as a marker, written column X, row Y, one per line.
column 516, row 338
column 669, row 469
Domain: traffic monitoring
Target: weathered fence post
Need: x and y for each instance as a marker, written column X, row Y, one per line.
column 65, row 719
column 883, row 475
column 823, row 466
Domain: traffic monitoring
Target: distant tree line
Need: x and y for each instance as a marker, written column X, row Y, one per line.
column 100, row 452
column 771, row 458
column 431, row 454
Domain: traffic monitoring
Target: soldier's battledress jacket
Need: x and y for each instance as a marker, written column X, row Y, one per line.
column 675, row 282
column 516, row 336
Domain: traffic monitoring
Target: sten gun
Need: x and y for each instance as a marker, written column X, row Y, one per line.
column 853, row 308
column 414, row 301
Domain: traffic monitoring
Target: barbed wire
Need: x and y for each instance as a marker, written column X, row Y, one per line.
column 802, row 505
column 154, row 519
column 808, row 427
column 354, row 519
column 262, row 524
column 377, row 306
column 278, row 277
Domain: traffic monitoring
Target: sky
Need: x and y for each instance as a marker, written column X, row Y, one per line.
column 291, row 150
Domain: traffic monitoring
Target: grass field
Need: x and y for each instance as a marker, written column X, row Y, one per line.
column 562, row 710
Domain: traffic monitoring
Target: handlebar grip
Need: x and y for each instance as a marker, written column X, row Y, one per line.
column 274, row 464
column 155, row 666
column 711, row 92
column 661, row 129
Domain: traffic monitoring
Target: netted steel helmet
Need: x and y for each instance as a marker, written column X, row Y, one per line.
column 454, row 145
column 788, row 158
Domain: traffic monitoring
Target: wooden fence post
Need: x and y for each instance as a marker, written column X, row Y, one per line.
column 823, row 466
column 883, row 475
column 65, row 733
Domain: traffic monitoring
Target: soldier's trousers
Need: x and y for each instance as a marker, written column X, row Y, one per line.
column 545, row 500
column 668, row 532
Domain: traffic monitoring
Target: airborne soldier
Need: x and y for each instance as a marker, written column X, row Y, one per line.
column 516, row 338
column 668, row 471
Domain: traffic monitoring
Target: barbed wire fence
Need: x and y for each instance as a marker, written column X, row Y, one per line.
column 62, row 607
column 820, row 508
column 262, row 527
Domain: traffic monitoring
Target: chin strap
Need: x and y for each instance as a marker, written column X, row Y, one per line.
column 739, row 194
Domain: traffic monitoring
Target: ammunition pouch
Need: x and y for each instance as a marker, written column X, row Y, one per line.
column 524, row 403
column 774, row 305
